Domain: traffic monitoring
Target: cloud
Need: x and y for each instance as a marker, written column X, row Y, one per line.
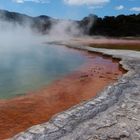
column 86, row 2
column 136, row 9
column 120, row 7
column 95, row 7
column 36, row 1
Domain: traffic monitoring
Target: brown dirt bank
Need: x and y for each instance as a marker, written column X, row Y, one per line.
column 19, row 113
column 109, row 43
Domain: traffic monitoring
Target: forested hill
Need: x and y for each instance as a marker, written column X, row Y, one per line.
column 122, row 25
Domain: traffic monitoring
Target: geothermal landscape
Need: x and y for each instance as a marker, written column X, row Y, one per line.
column 66, row 83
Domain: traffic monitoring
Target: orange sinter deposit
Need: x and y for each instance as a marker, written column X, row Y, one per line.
column 37, row 107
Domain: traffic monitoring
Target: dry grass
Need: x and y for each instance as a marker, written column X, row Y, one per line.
column 135, row 47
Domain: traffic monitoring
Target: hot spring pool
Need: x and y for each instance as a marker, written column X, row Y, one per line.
column 26, row 69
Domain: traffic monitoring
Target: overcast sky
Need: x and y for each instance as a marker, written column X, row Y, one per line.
column 72, row 9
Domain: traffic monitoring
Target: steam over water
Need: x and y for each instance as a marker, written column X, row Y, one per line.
column 22, row 71
column 27, row 64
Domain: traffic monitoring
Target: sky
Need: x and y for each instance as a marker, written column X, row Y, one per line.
column 72, row 9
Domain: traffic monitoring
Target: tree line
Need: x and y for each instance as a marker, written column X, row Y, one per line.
column 121, row 25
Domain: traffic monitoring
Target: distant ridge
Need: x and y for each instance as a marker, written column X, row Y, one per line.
column 40, row 23
column 122, row 25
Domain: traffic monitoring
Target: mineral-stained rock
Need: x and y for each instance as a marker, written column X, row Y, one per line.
column 114, row 115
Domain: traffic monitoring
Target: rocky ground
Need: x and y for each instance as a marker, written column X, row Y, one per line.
column 114, row 115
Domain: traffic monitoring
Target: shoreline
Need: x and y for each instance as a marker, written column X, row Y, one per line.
column 20, row 113
column 106, row 41
column 98, row 118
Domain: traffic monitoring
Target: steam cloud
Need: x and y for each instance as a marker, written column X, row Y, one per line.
column 64, row 30
column 16, row 35
column 12, row 34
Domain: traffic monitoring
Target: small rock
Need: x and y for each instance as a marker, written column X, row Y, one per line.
column 123, row 105
column 135, row 111
column 123, row 125
column 125, row 133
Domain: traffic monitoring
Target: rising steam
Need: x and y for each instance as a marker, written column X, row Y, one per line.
column 19, row 34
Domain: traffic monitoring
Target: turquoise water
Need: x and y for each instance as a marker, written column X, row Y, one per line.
column 24, row 70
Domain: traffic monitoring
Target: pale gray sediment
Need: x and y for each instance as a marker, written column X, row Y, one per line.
column 113, row 115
